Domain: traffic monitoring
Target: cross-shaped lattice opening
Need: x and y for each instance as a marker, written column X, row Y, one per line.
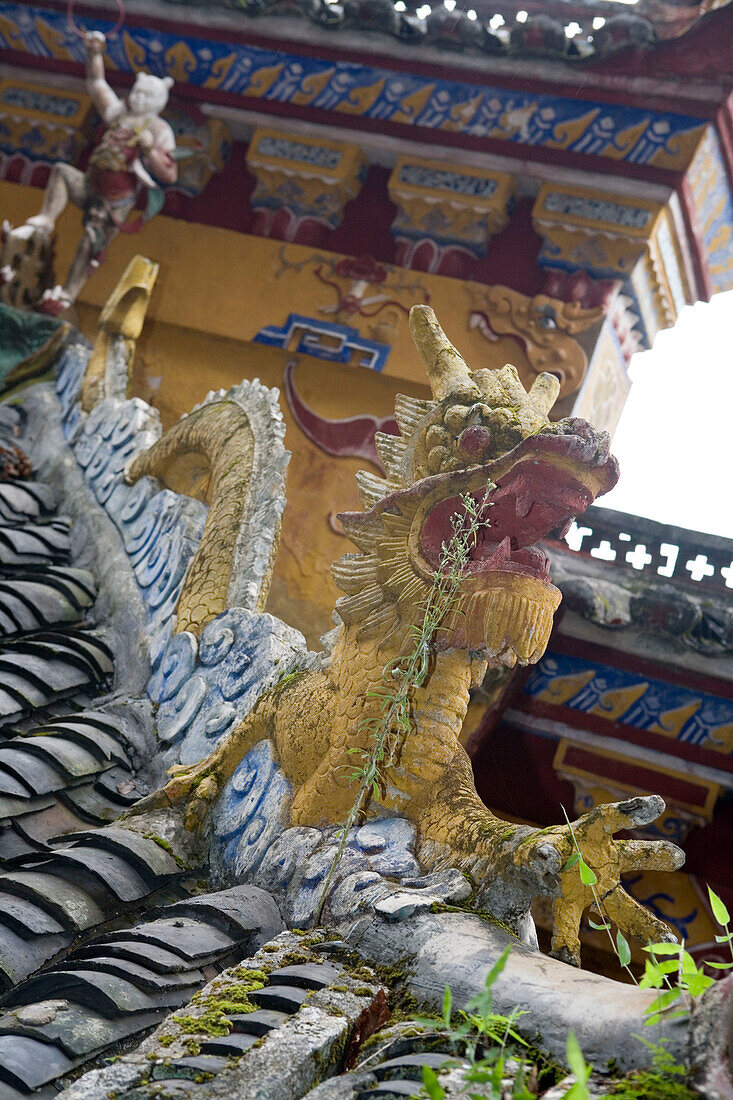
column 576, row 534
column 671, row 552
column 700, row 568
column 604, row 551
column 638, row 557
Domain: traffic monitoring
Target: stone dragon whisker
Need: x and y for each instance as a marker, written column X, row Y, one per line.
column 481, row 426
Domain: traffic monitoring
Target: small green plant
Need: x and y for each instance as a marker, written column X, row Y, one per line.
column 580, row 1068
column 666, row 1080
column 401, row 679
column 478, row 1027
column 489, row 1044
column 588, row 877
column 690, row 980
column 667, row 960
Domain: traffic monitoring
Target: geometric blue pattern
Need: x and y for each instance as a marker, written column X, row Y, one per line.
column 639, row 135
column 649, row 710
column 348, row 342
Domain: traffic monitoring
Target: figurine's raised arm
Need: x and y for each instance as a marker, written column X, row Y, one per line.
column 104, row 99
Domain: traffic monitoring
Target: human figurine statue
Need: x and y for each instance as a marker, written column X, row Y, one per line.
column 137, row 150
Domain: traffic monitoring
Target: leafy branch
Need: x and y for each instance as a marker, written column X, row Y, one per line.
column 489, row 1056
column 691, row 979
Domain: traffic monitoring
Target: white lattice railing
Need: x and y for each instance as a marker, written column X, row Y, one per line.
column 653, row 548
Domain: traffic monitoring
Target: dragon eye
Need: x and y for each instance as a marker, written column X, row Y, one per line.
column 545, row 321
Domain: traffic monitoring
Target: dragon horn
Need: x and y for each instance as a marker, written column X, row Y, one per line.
column 544, row 392
column 446, row 368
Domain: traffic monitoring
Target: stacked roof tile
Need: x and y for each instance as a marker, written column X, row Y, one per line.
column 123, row 984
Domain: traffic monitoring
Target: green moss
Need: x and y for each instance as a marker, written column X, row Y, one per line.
column 397, row 1017
column 270, row 947
column 394, row 979
column 363, row 991
column 311, row 939
column 166, row 1040
column 286, row 681
column 167, row 847
column 294, row 958
column 249, row 974
column 364, row 973
column 232, row 1000
column 467, row 907
column 531, row 838
column 653, row 1086
column 549, row 1072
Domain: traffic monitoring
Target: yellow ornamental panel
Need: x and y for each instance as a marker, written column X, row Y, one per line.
column 458, row 205
column 671, row 721
column 359, row 100
column 314, row 178
column 615, row 703
column 180, row 62
column 563, row 688
column 412, row 105
column 619, row 216
column 44, row 123
column 135, row 54
column 311, row 87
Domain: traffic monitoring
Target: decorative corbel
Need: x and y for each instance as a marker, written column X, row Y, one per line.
column 623, row 243
column 303, row 184
column 446, row 215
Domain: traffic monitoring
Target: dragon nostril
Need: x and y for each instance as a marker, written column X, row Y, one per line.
column 474, row 442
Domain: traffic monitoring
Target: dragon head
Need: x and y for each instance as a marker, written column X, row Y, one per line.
column 482, row 429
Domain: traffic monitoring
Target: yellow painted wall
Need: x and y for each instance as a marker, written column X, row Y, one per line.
column 175, row 368
column 231, row 284
column 216, row 289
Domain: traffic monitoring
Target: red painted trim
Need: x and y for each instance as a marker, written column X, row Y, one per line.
column 607, row 655
column 694, row 234
column 583, row 162
column 724, row 127
column 674, row 102
column 636, row 775
column 581, row 720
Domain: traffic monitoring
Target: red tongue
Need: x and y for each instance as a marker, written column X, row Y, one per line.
column 501, row 554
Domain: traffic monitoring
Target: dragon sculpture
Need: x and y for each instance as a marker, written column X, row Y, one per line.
column 482, row 428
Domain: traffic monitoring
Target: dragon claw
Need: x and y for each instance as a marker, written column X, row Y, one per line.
column 603, row 860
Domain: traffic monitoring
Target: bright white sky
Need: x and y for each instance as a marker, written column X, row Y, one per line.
column 674, row 441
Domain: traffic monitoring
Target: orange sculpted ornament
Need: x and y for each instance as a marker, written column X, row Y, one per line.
column 542, row 328
column 481, row 428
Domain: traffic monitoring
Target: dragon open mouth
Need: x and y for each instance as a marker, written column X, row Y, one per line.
column 507, row 599
column 505, row 602
column 541, row 486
